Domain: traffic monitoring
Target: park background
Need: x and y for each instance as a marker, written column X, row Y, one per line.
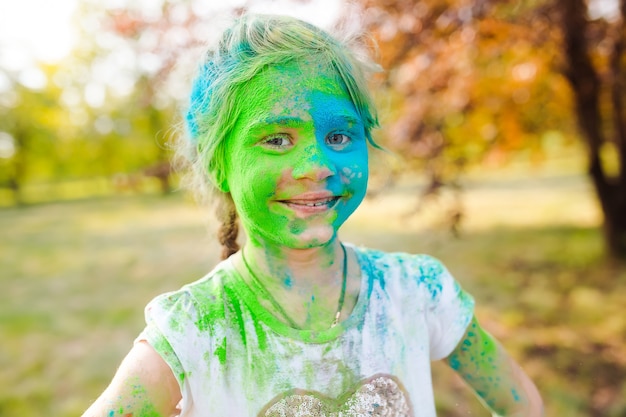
column 507, row 151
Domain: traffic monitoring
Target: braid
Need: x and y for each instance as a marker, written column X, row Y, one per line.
column 228, row 230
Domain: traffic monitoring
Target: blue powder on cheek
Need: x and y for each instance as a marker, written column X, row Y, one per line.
column 335, row 114
column 288, row 282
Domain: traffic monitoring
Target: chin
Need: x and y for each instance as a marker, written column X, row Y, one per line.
column 313, row 237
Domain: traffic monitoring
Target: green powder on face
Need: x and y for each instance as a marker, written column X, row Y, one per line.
column 280, row 141
column 297, row 226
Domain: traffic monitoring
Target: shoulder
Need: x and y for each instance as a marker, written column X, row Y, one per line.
column 192, row 302
column 412, row 272
column 178, row 322
column 422, row 267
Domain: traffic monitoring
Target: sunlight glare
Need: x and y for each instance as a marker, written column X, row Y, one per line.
column 603, row 9
column 321, row 13
column 35, row 30
column 7, row 145
column 32, row 78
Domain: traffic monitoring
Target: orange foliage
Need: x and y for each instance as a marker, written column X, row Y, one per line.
column 469, row 75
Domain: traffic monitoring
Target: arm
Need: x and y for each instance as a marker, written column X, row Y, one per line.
column 144, row 386
column 495, row 377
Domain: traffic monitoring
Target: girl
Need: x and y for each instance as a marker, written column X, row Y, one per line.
column 297, row 322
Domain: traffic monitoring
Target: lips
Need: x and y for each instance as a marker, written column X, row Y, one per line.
column 311, row 203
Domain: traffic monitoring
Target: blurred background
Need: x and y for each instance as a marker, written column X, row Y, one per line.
column 507, row 130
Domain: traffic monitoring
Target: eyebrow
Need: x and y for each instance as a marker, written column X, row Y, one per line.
column 296, row 122
column 349, row 119
column 286, row 121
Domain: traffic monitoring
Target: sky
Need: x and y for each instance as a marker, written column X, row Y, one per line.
column 42, row 29
column 603, row 8
column 35, row 29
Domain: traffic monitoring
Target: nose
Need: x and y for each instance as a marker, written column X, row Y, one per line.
column 314, row 163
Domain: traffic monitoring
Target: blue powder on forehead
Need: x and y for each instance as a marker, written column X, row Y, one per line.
column 200, row 99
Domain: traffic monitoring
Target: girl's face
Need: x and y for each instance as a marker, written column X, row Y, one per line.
column 296, row 162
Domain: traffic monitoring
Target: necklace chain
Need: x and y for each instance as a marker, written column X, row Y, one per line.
column 259, row 286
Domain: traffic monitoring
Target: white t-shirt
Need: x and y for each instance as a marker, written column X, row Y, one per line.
column 233, row 358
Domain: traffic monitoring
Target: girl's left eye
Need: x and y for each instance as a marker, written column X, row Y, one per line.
column 337, row 139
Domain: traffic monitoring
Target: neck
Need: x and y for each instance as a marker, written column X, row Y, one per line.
column 296, row 269
column 306, row 287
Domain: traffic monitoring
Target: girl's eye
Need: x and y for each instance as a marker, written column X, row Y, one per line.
column 279, row 141
column 337, row 139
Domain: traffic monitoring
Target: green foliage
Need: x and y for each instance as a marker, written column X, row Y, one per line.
column 95, row 116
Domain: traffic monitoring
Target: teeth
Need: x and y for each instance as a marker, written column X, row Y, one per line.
column 313, row 204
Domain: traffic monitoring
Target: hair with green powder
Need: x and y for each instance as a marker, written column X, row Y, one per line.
column 251, row 44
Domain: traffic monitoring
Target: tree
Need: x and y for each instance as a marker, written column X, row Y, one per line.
column 596, row 69
column 479, row 80
column 127, row 54
column 34, row 124
column 153, row 41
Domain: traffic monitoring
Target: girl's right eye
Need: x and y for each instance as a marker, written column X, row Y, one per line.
column 277, row 141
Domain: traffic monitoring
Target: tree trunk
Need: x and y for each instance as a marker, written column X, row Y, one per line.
column 164, row 167
column 19, row 165
column 587, row 86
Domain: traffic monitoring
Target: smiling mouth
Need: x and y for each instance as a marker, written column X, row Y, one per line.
column 316, row 204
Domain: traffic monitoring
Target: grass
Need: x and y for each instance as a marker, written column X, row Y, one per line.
column 76, row 275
